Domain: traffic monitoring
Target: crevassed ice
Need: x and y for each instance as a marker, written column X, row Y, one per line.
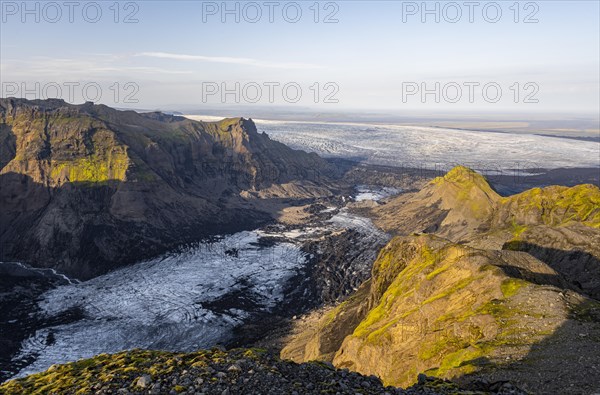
column 158, row 304
column 163, row 303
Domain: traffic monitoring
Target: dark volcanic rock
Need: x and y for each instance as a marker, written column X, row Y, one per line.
column 20, row 288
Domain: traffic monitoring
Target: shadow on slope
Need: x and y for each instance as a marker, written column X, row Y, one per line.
column 580, row 269
column 85, row 230
column 565, row 362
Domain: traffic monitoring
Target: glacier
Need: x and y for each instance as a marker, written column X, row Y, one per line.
column 181, row 301
column 432, row 147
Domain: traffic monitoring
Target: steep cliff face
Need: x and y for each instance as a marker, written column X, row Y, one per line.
column 505, row 293
column 86, row 188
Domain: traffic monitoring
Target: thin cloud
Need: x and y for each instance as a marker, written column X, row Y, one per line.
column 46, row 66
column 229, row 60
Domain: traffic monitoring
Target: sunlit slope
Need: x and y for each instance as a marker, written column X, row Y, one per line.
column 479, row 285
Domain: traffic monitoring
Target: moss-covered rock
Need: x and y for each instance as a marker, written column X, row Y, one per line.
column 240, row 371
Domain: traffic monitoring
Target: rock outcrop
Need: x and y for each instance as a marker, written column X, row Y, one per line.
column 86, row 188
column 488, row 288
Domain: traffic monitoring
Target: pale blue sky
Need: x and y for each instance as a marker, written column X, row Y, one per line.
column 368, row 54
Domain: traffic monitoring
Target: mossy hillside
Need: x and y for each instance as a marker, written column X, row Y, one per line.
column 511, row 286
column 67, row 146
column 457, row 355
column 555, row 206
column 466, row 178
column 466, row 192
column 157, row 180
column 517, row 230
column 322, row 340
column 187, row 146
column 448, row 312
column 391, row 260
column 92, row 145
column 415, row 259
column 466, row 197
column 240, row 371
column 81, row 147
column 222, row 130
column 105, row 160
column 86, row 376
column 36, row 135
column 465, row 181
column 425, row 315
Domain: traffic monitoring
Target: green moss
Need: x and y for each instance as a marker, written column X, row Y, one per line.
column 400, row 286
column 84, row 377
column 517, row 229
column 93, row 169
column 450, row 290
column 377, row 335
column 440, row 270
column 511, row 286
column 221, row 130
column 254, row 353
column 559, row 205
column 227, row 123
column 462, row 360
column 440, row 346
column 376, row 326
column 581, row 203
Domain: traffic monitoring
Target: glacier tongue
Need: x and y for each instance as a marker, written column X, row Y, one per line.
column 161, row 303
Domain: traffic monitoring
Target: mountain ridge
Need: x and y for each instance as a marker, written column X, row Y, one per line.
column 88, row 188
column 470, row 279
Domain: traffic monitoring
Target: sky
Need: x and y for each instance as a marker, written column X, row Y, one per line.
column 394, row 56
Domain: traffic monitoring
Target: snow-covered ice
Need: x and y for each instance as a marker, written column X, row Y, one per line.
column 433, row 148
column 373, row 193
